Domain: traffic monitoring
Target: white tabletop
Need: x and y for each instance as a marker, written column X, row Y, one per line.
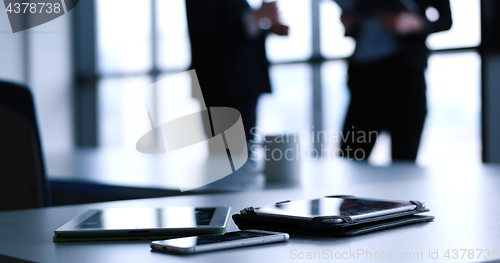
column 133, row 169
column 463, row 198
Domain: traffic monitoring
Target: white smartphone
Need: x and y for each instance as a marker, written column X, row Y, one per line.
column 188, row 245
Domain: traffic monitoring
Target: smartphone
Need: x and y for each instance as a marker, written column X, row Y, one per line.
column 195, row 244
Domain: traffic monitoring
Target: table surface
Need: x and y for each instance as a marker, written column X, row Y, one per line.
column 133, row 169
column 462, row 197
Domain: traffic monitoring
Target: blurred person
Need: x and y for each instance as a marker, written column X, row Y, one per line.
column 228, row 53
column 386, row 77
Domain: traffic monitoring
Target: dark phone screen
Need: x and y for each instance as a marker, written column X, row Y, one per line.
column 187, row 242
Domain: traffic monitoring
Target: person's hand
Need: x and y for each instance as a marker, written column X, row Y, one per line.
column 409, row 23
column 403, row 23
column 349, row 21
column 268, row 10
column 280, row 30
column 267, row 18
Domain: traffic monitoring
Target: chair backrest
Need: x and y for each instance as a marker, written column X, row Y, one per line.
column 23, row 182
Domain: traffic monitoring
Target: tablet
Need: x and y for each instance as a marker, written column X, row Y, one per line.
column 146, row 222
column 353, row 207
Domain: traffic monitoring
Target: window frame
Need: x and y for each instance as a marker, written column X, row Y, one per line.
column 87, row 77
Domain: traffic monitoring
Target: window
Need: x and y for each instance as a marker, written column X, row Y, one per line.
column 465, row 32
column 173, row 39
column 333, row 42
column 466, row 29
column 297, row 46
column 123, row 36
column 139, row 42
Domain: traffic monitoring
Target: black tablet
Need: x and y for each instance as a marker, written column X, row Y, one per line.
column 331, row 206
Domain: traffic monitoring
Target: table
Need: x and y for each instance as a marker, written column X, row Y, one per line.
column 463, row 197
column 95, row 175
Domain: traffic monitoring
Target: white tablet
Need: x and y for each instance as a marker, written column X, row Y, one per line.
column 146, row 222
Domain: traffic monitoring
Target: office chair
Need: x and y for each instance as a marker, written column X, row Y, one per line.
column 23, row 182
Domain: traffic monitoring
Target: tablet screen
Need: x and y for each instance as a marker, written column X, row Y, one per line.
column 133, row 218
column 331, row 206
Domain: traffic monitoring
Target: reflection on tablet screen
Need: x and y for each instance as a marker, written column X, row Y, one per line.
column 171, row 217
column 333, row 206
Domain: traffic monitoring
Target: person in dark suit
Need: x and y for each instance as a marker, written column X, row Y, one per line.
column 386, row 77
column 228, row 52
